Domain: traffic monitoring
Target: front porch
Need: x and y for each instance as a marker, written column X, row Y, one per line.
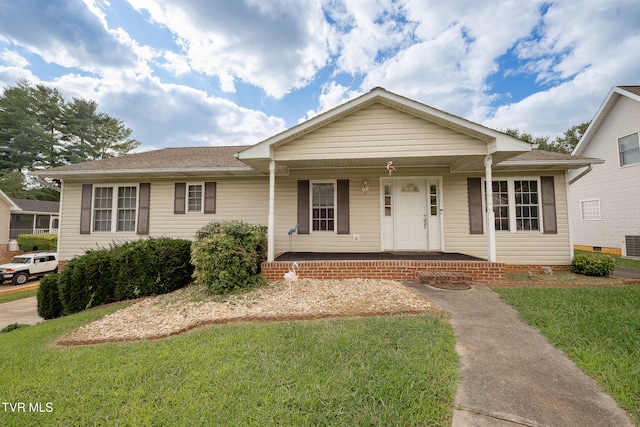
column 401, row 266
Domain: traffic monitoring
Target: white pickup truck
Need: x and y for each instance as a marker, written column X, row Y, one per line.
column 22, row 267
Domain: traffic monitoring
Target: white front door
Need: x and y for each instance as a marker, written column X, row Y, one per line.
column 411, row 214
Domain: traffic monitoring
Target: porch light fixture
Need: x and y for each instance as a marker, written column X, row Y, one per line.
column 365, row 186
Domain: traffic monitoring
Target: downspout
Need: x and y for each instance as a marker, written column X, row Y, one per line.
column 270, row 221
column 491, row 228
column 583, row 173
column 569, row 210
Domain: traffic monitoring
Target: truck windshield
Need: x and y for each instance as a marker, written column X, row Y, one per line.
column 20, row 260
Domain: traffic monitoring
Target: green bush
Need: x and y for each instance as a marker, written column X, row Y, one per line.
column 12, row 327
column 49, row 304
column 41, row 242
column 227, row 256
column 590, row 265
column 124, row 271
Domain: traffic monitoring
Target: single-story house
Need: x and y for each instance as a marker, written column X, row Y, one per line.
column 380, row 174
column 605, row 202
column 25, row 216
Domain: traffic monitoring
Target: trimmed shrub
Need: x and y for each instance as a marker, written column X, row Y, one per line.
column 130, row 270
column 227, row 256
column 41, row 242
column 49, row 304
column 590, row 265
column 152, row 267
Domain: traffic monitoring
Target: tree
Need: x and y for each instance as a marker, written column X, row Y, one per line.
column 568, row 141
column 38, row 129
column 562, row 144
column 28, row 119
column 91, row 135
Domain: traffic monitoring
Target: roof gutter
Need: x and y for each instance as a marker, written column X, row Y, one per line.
column 583, row 173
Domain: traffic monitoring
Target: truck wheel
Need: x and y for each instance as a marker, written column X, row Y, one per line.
column 20, row 278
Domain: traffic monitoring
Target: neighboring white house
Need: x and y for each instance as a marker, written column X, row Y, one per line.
column 24, row 216
column 379, row 173
column 605, row 202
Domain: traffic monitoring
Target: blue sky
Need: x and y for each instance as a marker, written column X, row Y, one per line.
column 222, row 72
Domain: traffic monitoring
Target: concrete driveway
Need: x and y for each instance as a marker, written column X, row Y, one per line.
column 20, row 311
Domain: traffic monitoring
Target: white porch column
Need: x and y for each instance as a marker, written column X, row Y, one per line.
column 270, row 223
column 491, row 227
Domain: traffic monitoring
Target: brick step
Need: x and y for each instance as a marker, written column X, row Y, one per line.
column 443, row 278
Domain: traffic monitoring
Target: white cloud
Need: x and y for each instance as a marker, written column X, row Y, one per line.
column 584, row 50
column 65, row 33
column 13, row 59
column 332, row 95
column 277, row 46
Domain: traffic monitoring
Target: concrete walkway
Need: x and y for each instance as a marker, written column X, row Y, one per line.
column 510, row 375
column 20, row 311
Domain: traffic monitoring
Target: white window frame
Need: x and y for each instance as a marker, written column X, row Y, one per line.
column 512, row 203
column 335, row 206
column 596, row 217
column 186, row 198
column 620, row 157
column 114, row 207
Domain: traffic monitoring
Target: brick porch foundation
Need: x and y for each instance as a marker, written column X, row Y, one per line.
column 479, row 271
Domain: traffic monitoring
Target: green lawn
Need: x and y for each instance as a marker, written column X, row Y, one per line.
column 394, row 370
column 598, row 328
column 18, row 295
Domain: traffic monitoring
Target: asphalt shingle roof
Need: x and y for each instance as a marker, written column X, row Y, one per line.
column 43, row 206
column 166, row 158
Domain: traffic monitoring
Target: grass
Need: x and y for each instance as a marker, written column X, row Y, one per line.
column 598, row 328
column 560, row 277
column 620, row 261
column 393, row 370
column 13, row 296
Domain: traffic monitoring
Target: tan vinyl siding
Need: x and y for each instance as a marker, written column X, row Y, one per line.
column 512, row 247
column 380, row 131
column 5, row 220
column 243, row 199
column 616, row 187
column 247, row 199
column 364, row 213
